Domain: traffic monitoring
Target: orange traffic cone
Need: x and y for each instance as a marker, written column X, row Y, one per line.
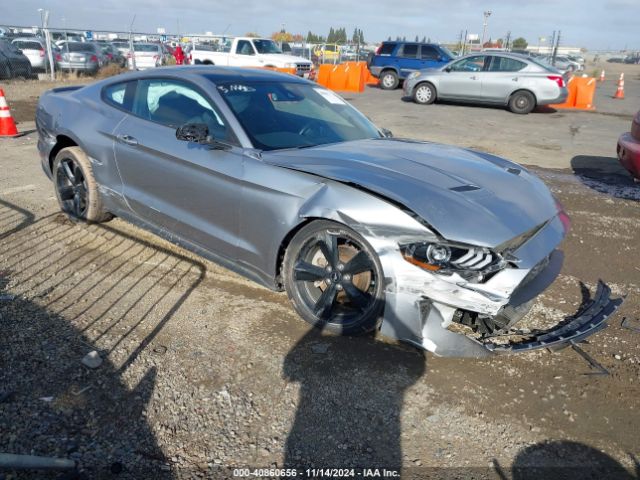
column 620, row 91
column 602, row 76
column 7, row 125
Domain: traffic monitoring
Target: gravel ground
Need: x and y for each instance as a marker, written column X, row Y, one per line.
column 203, row 371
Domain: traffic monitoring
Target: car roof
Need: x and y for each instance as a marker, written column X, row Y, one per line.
column 217, row 74
column 28, row 39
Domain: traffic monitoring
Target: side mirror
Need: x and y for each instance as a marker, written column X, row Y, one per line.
column 447, row 69
column 387, row 133
column 193, row 132
column 199, row 133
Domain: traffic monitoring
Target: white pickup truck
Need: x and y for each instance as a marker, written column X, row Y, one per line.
column 248, row 52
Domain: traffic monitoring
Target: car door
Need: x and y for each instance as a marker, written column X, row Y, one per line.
column 462, row 78
column 245, row 55
column 409, row 59
column 188, row 189
column 430, row 57
column 501, row 78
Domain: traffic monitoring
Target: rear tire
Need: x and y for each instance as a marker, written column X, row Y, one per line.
column 424, row 93
column 522, row 102
column 334, row 278
column 389, row 80
column 76, row 187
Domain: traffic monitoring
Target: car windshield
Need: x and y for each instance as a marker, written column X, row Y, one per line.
column 77, row 47
column 447, row 51
column 145, row 47
column 294, row 115
column 266, row 46
column 542, row 62
column 26, row 45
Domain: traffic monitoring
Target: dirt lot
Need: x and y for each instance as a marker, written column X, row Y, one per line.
column 205, row 371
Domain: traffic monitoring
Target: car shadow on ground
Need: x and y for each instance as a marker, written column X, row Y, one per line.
column 605, row 175
column 330, row 428
column 566, row 460
column 543, row 109
column 67, row 290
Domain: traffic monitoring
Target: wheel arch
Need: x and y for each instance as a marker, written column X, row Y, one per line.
column 284, row 244
column 62, row 141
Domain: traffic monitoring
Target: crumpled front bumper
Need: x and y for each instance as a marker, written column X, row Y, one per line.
column 420, row 307
column 591, row 319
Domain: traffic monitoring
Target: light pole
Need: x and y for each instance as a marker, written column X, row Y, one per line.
column 486, row 14
column 41, row 10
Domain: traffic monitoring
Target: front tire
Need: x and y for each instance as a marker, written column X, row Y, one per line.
column 389, row 80
column 522, row 102
column 76, row 187
column 424, row 94
column 334, row 278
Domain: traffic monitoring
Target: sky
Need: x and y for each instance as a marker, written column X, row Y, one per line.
column 594, row 24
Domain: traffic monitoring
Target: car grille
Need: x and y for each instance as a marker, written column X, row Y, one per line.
column 303, row 67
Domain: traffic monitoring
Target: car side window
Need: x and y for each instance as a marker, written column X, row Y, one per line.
column 387, row 49
column 429, row 53
column 245, row 48
column 471, row 64
column 173, row 103
column 409, row 50
column 120, row 95
column 504, row 64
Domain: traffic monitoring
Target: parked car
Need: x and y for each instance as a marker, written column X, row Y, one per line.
column 122, row 46
column 395, row 61
column 283, row 181
column 147, row 55
column 632, row 58
column 13, row 63
column 82, row 57
column 113, row 54
column 629, row 148
column 327, row 53
column 518, row 82
column 35, row 50
column 249, row 52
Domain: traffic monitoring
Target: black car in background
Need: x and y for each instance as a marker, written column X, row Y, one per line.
column 13, row 63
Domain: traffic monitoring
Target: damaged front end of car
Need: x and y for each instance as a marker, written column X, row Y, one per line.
column 466, row 301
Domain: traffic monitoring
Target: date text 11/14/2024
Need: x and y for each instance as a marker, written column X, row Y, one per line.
column 316, row 472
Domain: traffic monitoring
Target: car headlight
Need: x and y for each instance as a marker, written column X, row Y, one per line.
column 290, row 65
column 413, row 75
column 470, row 262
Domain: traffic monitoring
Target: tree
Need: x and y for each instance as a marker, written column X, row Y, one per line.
column 417, row 39
column 361, row 39
column 282, row 37
column 355, row 38
column 331, row 38
column 252, row 35
column 424, row 39
column 519, row 44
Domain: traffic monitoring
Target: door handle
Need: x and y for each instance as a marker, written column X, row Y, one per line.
column 128, row 139
column 474, row 78
column 515, row 79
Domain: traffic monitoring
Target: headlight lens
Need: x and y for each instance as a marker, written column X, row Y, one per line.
column 413, row 75
column 290, row 65
column 470, row 262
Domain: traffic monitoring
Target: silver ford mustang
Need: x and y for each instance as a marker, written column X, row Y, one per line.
column 284, row 182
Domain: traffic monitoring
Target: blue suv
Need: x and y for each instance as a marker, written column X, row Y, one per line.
column 394, row 61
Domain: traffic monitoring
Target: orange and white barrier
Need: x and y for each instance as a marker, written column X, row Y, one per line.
column 7, row 125
column 620, row 90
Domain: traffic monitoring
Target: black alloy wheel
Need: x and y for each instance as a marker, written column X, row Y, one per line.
column 334, row 278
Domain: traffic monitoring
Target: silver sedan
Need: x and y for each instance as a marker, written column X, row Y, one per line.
column 284, row 182
column 518, row 82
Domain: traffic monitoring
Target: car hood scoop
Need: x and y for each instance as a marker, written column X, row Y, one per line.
column 467, row 196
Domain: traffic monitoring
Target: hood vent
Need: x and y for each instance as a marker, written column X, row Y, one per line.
column 464, row 188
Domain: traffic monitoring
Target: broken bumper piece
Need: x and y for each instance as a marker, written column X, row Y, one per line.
column 591, row 319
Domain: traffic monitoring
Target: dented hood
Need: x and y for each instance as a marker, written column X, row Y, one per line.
column 466, row 196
